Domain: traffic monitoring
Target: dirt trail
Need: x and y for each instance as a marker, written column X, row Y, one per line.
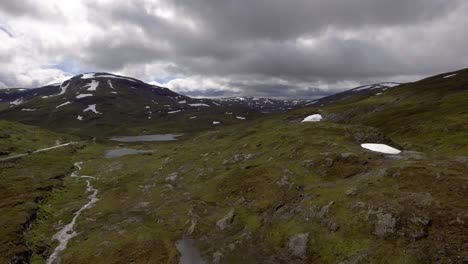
column 38, row 151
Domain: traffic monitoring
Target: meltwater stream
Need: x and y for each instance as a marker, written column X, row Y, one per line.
column 68, row 231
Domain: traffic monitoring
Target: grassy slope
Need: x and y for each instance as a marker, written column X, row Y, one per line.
column 278, row 192
column 25, row 183
column 17, row 138
column 283, row 188
column 429, row 115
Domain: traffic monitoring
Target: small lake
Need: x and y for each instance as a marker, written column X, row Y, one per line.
column 115, row 153
column 146, row 138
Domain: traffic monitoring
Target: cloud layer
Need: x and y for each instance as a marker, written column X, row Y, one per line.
column 296, row 48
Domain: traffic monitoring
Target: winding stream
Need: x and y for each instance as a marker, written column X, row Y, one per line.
column 188, row 252
column 68, row 231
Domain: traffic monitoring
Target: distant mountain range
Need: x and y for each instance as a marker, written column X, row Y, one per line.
column 94, row 103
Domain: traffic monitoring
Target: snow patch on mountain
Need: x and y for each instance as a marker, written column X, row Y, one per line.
column 17, row 101
column 115, row 77
column 110, row 84
column 313, row 118
column 377, row 86
column 59, row 80
column 92, row 85
column 91, row 108
column 88, row 76
column 28, row 110
column 450, row 75
column 381, row 148
column 311, row 103
column 63, row 88
column 83, row 96
column 64, row 104
column 195, row 105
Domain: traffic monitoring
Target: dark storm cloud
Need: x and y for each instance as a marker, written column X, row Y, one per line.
column 214, row 47
column 280, row 20
column 18, row 7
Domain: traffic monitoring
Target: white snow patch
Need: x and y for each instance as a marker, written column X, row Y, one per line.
column 115, row 77
column 64, row 104
column 28, row 110
column 113, row 92
column 147, row 107
column 363, row 88
column 192, row 117
column 216, row 122
column 63, row 88
column 451, row 75
column 378, row 93
column 311, row 103
column 195, row 105
column 58, row 80
column 83, row 96
column 173, row 112
column 87, row 76
column 391, row 85
column 79, row 117
column 17, row 101
column 91, row 108
column 382, row 148
column 92, row 85
column 240, row 117
column 377, row 86
column 110, row 84
column 182, row 102
column 313, row 118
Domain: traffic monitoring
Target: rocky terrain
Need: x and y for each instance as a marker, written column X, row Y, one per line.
column 377, row 174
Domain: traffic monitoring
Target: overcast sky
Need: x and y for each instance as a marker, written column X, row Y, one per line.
column 277, row 48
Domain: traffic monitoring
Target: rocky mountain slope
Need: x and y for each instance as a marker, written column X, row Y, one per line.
column 276, row 190
column 102, row 103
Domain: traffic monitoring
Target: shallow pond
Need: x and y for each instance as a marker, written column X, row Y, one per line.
column 115, row 153
column 157, row 137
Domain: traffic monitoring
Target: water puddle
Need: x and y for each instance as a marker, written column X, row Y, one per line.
column 116, row 153
column 188, row 253
column 145, row 138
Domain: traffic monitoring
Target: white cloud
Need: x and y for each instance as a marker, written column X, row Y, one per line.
column 220, row 48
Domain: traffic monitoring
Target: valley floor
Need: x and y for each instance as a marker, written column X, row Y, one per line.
column 299, row 193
